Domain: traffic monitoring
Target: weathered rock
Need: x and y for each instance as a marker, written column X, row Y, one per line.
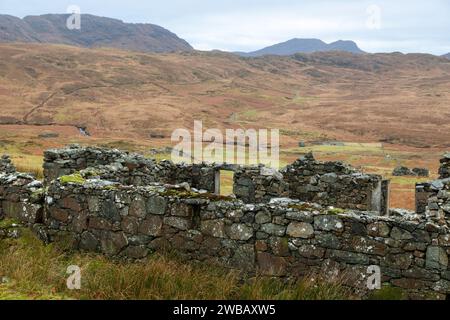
column 378, row 229
column 214, row 228
column 436, row 258
column 300, row 230
column 262, row 217
column 271, row 265
column 399, row 234
column 178, row 223
column 273, row 229
column 240, row 231
column 112, row 243
column 156, row 205
column 328, row 223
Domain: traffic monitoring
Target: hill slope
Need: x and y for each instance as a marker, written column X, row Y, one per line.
column 304, row 46
column 447, row 55
column 95, row 32
column 397, row 98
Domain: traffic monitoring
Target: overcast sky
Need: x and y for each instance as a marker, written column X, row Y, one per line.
column 247, row 25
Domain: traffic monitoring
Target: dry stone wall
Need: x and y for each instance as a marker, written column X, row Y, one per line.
column 335, row 184
column 21, row 197
column 124, row 205
column 283, row 238
column 258, row 184
column 444, row 170
column 433, row 197
column 433, row 200
column 6, row 165
column 124, row 167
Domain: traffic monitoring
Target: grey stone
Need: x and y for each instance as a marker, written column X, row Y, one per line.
column 300, row 230
column 109, row 211
column 151, row 226
column 178, row 223
column 436, row 258
column 399, row 234
column 112, row 243
column 240, row 231
column 348, row 257
column 328, row 240
column 328, row 223
column 213, row 228
column 156, row 205
column 88, row 241
column 273, row 229
column 244, row 257
column 262, row 217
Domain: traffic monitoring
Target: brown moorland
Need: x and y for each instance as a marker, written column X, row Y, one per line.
column 395, row 106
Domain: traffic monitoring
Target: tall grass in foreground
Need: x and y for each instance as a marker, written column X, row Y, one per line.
column 35, row 271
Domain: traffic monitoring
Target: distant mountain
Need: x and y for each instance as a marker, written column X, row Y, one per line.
column 304, row 46
column 447, row 55
column 95, row 32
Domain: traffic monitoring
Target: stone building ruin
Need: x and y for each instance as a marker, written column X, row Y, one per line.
column 312, row 216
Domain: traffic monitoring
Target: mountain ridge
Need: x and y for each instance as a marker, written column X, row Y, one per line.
column 297, row 45
column 95, row 31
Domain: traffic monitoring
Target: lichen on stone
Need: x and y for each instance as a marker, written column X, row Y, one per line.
column 75, row 178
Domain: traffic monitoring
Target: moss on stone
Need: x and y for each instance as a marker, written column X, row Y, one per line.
column 194, row 195
column 110, row 187
column 302, row 207
column 73, row 178
column 335, row 211
column 88, row 173
column 8, row 223
column 38, row 194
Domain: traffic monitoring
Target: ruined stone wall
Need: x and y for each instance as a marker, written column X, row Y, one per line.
column 98, row 209
column 444, row 170
column 124, row 167
column 133, row 221
column 433, row 200
column 335, row 184
column 21, row 197
column 200, row 176
column 6, row 166
column 258, row 184
column 284, row 238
